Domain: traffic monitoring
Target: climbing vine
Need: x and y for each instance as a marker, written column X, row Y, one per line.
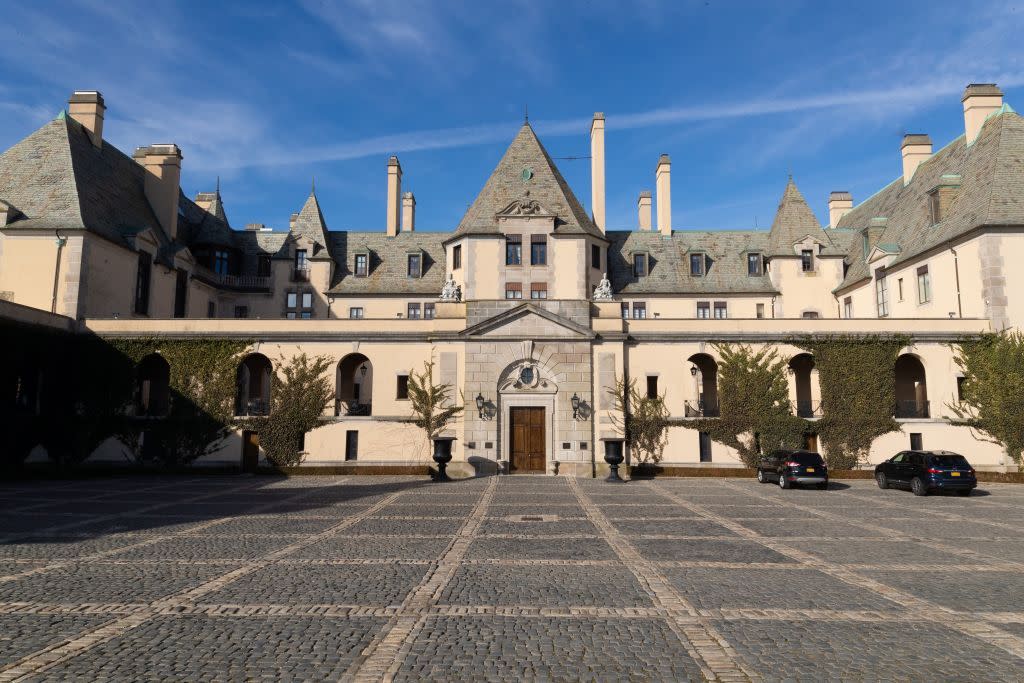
column 643, row 420
column 753, row 395
column 991, row 402
column 858, row 392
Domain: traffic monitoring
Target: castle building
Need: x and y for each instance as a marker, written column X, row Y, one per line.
column 531, row 306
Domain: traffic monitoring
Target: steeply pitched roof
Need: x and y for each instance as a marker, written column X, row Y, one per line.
column 794, row 220
column 546, row 186
column 310, row 222
column 209, row 226
column 669, row 265
column 991, row 192
column 389, row 263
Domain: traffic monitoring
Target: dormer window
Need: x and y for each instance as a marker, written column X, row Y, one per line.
column 415, row 265
column 934, row 207
column 640, row 265
column 220, row 262
column 362, row 268
column 697, row 265
column 807, row 260
column 754, row 264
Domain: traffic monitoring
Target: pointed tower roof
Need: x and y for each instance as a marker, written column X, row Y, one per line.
column 794, row 220
column 526, row 171
column 310, row 222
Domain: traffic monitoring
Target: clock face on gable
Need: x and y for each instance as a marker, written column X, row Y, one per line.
column 527, row 174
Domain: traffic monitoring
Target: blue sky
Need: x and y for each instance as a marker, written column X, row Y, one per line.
column 268, row 95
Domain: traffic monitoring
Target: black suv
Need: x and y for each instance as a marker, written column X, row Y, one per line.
column 927, row 471
column 793, row 467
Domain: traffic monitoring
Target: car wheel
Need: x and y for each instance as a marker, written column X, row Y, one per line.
column 760, row 477
column 918, row 487
column 883, row 481
column 964, row 492
column 783, row 482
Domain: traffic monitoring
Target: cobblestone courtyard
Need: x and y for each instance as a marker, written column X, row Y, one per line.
column 369, row 578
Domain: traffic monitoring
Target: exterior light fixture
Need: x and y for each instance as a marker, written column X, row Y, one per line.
column 480, row 402
column 791, row 371
column 363, row 369
column 575, row 406
column 693, row 370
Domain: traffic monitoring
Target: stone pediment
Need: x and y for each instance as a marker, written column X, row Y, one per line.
column 525, row 207
column 528, row 321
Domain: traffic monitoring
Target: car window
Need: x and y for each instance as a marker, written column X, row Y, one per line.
column 949, row 460
column 898, row 458
column 806, row 458
column 916, row 459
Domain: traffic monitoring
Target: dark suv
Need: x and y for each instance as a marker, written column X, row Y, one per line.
column 793, row 467
column 927, row 471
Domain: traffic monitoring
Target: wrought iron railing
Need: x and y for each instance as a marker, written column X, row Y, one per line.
column 300, row 274
column 352, row 408
column 912, row 408
column 259, row 282
column 700, row 409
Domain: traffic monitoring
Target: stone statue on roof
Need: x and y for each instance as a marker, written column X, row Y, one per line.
column 451, row 292
column 603, row 291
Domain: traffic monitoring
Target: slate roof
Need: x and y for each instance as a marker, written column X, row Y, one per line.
column 199, row 226
column 991, row 193
column 388, row 263
column 794, row 221
column 547, row 187
column 669, row 265
column 310, row 221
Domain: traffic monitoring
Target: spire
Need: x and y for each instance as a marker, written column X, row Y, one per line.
column 310, row 221
column 794, row 221
column 312, row 188
column 218, row 185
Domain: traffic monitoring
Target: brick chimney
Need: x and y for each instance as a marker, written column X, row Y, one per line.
column 916, row 149
column 597, row 169
column 408, row 212
column 643, row 210
column 840, row 203
column 394, row 195
column 163, row 179
column 663, row 184
column 86, row 107
column 980, row 100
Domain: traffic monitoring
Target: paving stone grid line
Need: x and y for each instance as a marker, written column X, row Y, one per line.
column 669, row 595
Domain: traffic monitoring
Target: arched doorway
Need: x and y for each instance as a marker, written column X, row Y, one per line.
column 704, row 372
column 801, row 367
column 354, row 387
column 528, row 420
column 253, row 384
column 911, row 387
column 152, row 386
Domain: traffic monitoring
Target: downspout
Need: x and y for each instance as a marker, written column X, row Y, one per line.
column 61, row 241
column 956, row 271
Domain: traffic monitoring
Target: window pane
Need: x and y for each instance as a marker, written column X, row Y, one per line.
column 361, row 265
column 639, row 310
column 457, row 256
column 703, row 309
column 514, row 290
column 538, row 251
column 290, row 301
column 753, row 264
column 428, row 311
column 595, row 256
column 414, row 265
column 538, row 290
column 760, row 310
column 721, row 311
column 696, row 264
column 639, row 264
column 414, row 311
column 355, row 312
column 306, row 315
column 402, row 391
column 513, row 251
column 307, row 300
column 625, row 310
column 807, row 260
column 300, row 259
column 652, row 387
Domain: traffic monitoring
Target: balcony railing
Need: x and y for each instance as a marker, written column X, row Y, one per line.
column 255, row 407
column 300, row 274
column 912, row 409
column 700, row 409
column 257, row 282
column 352, row 408
column 808, row 409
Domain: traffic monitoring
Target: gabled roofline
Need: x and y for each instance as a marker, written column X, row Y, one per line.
column 519, row 311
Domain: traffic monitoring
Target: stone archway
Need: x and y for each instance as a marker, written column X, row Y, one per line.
column 527, row 416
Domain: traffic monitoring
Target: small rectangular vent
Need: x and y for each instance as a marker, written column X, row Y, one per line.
column 566, row 445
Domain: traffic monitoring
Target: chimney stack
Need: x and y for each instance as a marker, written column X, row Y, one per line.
column 916, row 149
column 162, row 184
column 980, row 100
column 292, row 220
column 643, row 209
column 86, row 107
column 663, row 184
column 408, row 212
column 597, row 169
column 394, row 195
column 840, row 203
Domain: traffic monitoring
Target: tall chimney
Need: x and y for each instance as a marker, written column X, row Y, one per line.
column 916, row 149
column 163, row 180
column 408, row 212
column 663, row 184
column 394, row 195
column 597, row 169
column 643, row 210
column 840, row 203
column 86, row 107
column 980, row 100
column 291, row 221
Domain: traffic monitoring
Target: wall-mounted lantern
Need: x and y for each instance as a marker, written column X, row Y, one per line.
column 575, row 400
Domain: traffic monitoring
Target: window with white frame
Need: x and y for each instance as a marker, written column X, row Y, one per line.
column 721, row 310
column 848, row 307
column 924, row 285
column 355, row 312
column 413, row 311
column 881, row 293
column 753, row 264
column 704, row 310
column 807, row 260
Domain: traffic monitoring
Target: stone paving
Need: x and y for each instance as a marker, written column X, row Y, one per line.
column 532, row 578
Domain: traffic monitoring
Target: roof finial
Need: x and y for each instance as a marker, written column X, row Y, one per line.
column 218, row 185
column 526, row 113
column 312, row 189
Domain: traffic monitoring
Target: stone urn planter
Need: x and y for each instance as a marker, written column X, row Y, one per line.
column 442, row 456
column 614, row 457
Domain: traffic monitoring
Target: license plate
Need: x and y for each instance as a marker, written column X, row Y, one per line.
column 954, row 474
column 810, row 469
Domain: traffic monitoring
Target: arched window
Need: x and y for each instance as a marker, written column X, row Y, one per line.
column 704, row 371
column 253, row 385
column 801, row 367
column 152, row 386
column 354, row 393
column 911, row 387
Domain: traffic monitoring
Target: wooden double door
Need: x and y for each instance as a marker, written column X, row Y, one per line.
column 526, row 440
